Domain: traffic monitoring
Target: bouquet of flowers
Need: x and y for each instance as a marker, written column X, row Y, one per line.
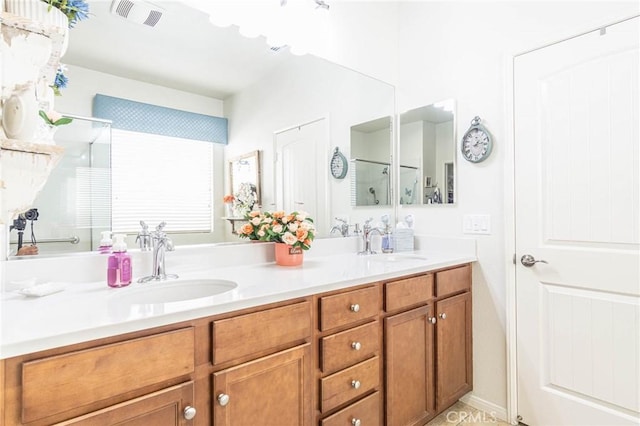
column 294, row 229
column 245, row 198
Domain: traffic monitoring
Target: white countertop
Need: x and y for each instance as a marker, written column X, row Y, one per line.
column 91, row 310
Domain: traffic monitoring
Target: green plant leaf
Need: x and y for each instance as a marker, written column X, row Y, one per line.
column 63, row 120
column 43, row 114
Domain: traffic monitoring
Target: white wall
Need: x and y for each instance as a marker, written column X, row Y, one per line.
column 459, row 50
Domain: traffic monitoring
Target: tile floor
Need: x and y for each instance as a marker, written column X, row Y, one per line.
column 461, row 414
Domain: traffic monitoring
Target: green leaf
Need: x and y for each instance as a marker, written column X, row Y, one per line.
column 63, row 120
column 43, row 114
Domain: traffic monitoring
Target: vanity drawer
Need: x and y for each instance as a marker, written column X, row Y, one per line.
column 453, row 281
column 408, row 292
column 346, row 308
column 367, row 411
column 249, row 334
column 349, row 347
column 64, row 382
column 349, row 383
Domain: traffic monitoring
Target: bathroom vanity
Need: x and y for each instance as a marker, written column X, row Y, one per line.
column 392, row 346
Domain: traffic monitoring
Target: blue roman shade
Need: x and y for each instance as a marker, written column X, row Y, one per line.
column 154, row 119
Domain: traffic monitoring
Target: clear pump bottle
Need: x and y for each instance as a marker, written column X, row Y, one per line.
column 119, row 264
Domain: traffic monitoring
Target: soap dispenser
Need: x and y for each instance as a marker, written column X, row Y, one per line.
column 106, row 242
column 387, row 237
column 119, row 264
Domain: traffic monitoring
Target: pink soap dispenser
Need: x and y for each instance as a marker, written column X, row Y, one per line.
column 119, row 264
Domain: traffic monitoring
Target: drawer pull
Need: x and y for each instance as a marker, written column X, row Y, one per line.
column 443, row 316
column 432, row 320
column 356, row 346
column 355, row 422
column 355, row 308
column 189, row 412
column 223, row 399
column 355, row 384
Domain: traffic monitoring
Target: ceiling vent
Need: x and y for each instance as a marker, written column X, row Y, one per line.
column 140, row 12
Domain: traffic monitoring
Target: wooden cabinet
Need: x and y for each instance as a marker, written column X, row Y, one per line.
column 168, row 407
column 410, row 396
column 428, row 350
column 264, row 389
column 454, row 372
column 350, row 356
column 273, row 390
column 394, row 353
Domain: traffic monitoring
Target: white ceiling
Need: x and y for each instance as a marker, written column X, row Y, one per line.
column 184, row 51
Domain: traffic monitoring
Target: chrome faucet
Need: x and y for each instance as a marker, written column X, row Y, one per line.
column 367, row 230
column 161, row 244
column 144, row 237
column 342, row 227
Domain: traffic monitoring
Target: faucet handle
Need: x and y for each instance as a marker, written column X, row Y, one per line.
column 356, row 229
column 161, row 226
column 145, row 227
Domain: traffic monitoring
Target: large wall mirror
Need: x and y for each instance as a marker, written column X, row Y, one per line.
column 427, row 155
column 186, row 63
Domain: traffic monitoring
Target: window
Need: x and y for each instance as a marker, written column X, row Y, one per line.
column 159, row 178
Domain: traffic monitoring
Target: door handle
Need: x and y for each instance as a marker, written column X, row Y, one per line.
column 528, row 260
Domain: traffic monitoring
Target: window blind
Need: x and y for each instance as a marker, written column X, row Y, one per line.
column 159, row 178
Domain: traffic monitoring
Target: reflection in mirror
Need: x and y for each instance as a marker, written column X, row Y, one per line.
column 244, row 171
column 371, row 163
column 74, row 206
column 188, row 64
column 427, row 154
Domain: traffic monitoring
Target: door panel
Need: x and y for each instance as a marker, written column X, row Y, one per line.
column 301, row 178
column 577, row 189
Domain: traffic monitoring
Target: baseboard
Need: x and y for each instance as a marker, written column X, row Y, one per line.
column 495, row 411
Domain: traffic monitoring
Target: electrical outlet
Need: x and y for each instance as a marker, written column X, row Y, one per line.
column 476, row 224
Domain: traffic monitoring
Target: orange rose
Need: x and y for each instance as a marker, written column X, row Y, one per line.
column 301, row 234
column 254, row 213
column 278, row 215
column 246, row 229
column 228, row 198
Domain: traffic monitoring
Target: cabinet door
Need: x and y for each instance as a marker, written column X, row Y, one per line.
column 410, row 398
column 162, row 408
column 274, row 390
column 454, row 375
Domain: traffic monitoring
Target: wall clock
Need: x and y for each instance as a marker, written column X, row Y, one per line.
column 338, row 164
column 476, row 143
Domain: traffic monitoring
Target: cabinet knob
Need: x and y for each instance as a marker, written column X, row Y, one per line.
column 355, row 422
column 189, row 412
column 223, row 399
column 356, row 346
column 432, row 320
column 355, row 384
column 355, row 308
column 443, row 316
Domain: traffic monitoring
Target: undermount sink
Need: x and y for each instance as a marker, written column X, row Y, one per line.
column 176, row 291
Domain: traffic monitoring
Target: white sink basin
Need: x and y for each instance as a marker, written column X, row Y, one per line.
column 175, row 291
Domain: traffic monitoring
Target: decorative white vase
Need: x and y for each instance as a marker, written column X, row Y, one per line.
column 52, row 18
column 38, row 11
column 20, row 114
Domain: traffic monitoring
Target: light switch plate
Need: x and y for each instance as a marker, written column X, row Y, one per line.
column 476, row 224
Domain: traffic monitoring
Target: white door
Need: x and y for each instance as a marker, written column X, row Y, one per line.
column 577, row 207
column 301, row 177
